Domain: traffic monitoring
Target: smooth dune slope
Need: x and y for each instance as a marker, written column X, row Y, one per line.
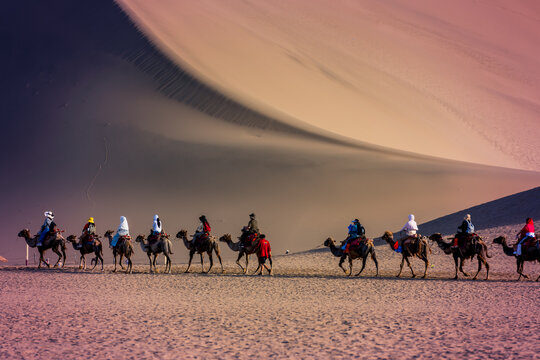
column 458, row 80
column 96, row 121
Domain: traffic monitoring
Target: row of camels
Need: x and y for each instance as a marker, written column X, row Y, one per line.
column 421, row 249
column 124, row 249
column 417, row 249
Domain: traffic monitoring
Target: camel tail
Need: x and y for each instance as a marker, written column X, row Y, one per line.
column 486, row 249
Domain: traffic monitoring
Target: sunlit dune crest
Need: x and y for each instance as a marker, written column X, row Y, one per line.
column 458, row 80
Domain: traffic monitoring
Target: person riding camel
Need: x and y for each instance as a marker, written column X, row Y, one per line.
column 157, row 229
column 249, row 232
column 89, row 230
column 355, row 231
column 46, row 228
column 410, row 229
column 465, row 230
column 264, row 252
column 202, row 232
column 121, row 232
column 526, row 232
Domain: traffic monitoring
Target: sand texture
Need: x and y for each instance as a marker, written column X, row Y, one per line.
column 308, row 309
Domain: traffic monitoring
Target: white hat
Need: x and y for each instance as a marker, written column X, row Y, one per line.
column 49, row 214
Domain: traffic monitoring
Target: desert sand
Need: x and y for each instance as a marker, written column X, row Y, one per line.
column 309, row 114
column 308, row 309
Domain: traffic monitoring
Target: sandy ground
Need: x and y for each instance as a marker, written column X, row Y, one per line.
column 308, row 309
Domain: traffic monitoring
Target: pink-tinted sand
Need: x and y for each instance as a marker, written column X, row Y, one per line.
column 308, row 309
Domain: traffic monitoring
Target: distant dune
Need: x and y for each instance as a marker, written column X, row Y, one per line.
column 98, row 121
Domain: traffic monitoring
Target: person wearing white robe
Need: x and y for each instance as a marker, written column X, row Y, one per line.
column 123, row 230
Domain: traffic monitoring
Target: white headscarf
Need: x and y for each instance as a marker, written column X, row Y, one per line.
column 410, row 227
column 123, row 228
column 49, row 214
column 157, row 225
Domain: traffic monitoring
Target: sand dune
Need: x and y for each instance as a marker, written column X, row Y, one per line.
column 410, row 75
column 101, row 124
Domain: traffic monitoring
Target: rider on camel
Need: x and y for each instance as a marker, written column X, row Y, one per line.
column 48, row 226
column 410, row 229
column 122, row 231
column 202, row 232
column 355, row 231
column 88, row 230
column 525, row 233
column 249, row 232
column 157, row 229
column 464, row 230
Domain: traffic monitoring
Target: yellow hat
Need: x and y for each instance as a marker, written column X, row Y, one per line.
column 91, row 220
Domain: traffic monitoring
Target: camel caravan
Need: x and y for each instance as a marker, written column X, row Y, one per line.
column 464, row 245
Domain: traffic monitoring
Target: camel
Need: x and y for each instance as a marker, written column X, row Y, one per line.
column 85, row 248
column 363, row 250
column 418, row 248
column 530, row 254
column 163, row 245
column 205, row 247
column 123, row 248
column 242, row 250
column 50, row 242
column 460, row 255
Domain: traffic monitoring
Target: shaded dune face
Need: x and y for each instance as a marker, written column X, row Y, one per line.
column 98, row 122
column 408, row 75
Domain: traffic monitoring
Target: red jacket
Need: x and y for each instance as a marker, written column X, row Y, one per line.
column 528, row 228
column 263, row 249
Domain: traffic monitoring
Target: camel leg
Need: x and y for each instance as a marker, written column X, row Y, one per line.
column 341, row 261
column 456, row 265
column 364, row 258
column 191, row 252
column 218, row 254
column 55, row 250
column 426, row 262
column 202, row 263
column 410, row 267
column 154, row 263
column 350, row 266
column 479, row 266
column 247, row 263
column 461, row 261
column 401, row 266
column 150, row 261
column 211, row 260
column 520, row 269
column 238, row 261
column 120, row 260
column 64, row 255
column 168, row 265
column 114, row 255
column 97, row 259
column 271, row 270
column 374, row 258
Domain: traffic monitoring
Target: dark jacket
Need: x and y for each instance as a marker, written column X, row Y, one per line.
column 252, row 226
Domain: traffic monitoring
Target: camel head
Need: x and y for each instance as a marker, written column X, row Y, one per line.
column 435, row 237
column 388, row 236
column 24, row 233
column 108, row 233
column 181, row 234
column 328, row 242
column 71, row 238
column 499, row 240
column 140, row 238
column 226, row 238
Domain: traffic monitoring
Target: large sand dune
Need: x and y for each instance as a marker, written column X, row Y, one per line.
column 457, row 80
column 98, row 122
